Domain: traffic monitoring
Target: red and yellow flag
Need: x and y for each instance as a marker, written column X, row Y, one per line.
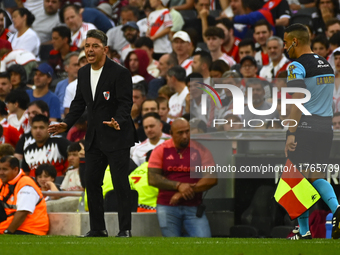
column 294, row 192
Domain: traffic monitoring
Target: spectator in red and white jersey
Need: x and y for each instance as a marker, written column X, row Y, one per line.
column 5, row 22
column 159, row 26
column 262, row 31
column 5, row 85
column 214, row 36
column 71, row 16
column 201, row 63
column 17, row 103
column 181, row 44
column 153, row 129
column 278, row 61
column 9, row 133
column 230, row 43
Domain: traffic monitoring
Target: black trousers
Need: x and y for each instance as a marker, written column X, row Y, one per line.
column 96, row 163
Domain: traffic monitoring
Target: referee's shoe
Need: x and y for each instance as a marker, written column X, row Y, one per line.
column 336, row 224
column 298, row 236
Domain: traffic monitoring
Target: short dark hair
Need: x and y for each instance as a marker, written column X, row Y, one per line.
column 40, row 117
column 214, row 31
column 226, row 22
column 162, row 100
column 152, row 114
column 73, row 147
column 253, row 5
column 252, row 81
column 3, row 109
column 98, row 34
column 193, row 76
column 178, row 72
column 140, row 87
column 321, row 39
column 150, row 100
column 331, row 22
column 133, row 9
column 246, row 42
column 20, row 97
column 336, row 114
column 13, row 161
column 30, row 17
column 5, row 75
column 263, row 22
column 144, row 41
column 205, row 57
column 6, row 149
column 299, row 31
column 64, row 32
column 42, row 105
column 220, row 66
column 48, row 169
column 335, row 39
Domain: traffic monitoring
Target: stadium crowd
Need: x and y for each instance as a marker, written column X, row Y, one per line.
column 173, row 50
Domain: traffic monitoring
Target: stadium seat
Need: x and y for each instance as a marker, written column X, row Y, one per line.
column 281, row 231
column 215, row 13
column 111, row 204
column 262, row 214
column 188, row 14
column 59, row 180
column 307, row 11
column 44, row 51
column 203, row 46
column 305, row 19
column 242, row 231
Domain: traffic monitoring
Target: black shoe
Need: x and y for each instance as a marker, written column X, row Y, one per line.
column 124, row 233
column 96, row 233
column 298, row 236
column 336, row 224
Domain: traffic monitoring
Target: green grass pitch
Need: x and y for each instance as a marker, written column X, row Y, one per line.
column 63, row 245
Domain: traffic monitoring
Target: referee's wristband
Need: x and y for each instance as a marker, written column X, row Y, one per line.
column 290, row 133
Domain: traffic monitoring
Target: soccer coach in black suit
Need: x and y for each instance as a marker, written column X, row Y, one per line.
column 105, row 88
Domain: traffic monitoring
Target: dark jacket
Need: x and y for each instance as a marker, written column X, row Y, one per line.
column 113, row 99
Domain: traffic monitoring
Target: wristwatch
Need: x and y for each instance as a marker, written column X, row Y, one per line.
column 7, row 232
column 290, row 133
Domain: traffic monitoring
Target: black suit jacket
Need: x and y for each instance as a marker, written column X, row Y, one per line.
column 113, row 98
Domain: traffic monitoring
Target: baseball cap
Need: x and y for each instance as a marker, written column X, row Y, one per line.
column 182, row 35
column 81, row 55
column 45, row 69
column 106, row 8
column 252, row 59
column 130, row 24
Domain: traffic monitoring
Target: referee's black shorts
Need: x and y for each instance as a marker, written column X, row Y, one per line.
column 314, row 137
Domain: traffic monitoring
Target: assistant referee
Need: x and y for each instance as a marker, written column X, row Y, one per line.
column 311, row 140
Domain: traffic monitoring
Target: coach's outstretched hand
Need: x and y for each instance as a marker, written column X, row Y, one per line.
column 55, row 129
column 113, row 123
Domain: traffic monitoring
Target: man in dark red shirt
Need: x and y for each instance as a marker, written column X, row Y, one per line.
column 61, row 39
column 180, row 195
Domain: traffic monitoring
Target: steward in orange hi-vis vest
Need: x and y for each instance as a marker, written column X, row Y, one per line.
column 22, row 206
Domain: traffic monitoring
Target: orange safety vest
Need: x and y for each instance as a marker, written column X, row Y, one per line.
column 36, row 223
